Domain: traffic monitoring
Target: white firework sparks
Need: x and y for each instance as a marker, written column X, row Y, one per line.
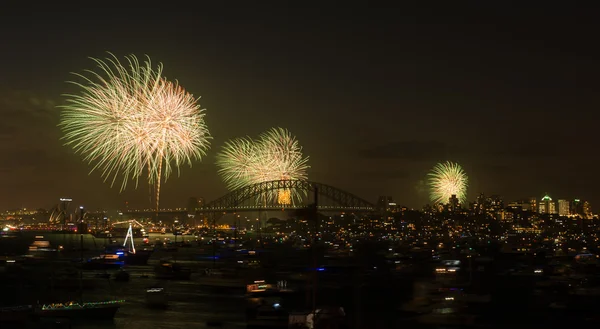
column 129, row 119
column 276, row 155
column 447, row 179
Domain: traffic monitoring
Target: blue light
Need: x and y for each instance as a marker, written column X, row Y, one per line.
column 321, row 269
column 119, row 253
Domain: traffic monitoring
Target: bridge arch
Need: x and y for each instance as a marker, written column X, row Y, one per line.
column 342, row 200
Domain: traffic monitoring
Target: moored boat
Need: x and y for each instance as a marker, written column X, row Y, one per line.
column 105, row 310
column 103, row 262
column 130, row 256
column 156, row 297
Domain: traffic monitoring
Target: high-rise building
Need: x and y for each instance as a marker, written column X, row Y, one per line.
column 490, row 204
column 587, row 210
column 494, row 203
column 564, row 208
column 533, row 204
column 577, row 208
column 547, row 206
column 505, row 215
column 453, row 203
column 479, row 206
column 520, row 205
column 386, row 204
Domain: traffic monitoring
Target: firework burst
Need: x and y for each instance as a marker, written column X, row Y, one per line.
column 447, row 179
column 128, row 120
column 275, row 155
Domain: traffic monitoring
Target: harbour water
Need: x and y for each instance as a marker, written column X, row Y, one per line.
column 199, row 303
column 190, row 303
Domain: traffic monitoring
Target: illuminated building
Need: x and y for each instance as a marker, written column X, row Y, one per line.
column 386, row 204
column 581, row 208
column 453, row 203
column 521, row 205
column 547, row 206
column 587, row 210
column 494, row 203
column 564, row 208
column 479, row 205
column 505, row 215
column 577, row 208
column 533, row 204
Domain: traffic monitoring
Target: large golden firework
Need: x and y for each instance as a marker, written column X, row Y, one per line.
column 128, row 120
column 275, row 155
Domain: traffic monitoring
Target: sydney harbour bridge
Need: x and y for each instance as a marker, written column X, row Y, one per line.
column 325, row 198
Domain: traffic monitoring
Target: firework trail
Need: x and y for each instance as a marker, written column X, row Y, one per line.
column 447, row 179
column 275, row 155
column 128, row 120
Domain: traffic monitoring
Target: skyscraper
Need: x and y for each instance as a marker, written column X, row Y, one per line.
column 533, row 204
column 494, row 203
column 577, row 208
column 386, row 204
column 480, row 204
column 453, row 203
column 520, row 205
column 564, row 208
column 547, row 206
column 587, row 210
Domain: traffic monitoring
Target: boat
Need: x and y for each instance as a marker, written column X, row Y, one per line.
column 103, row 262
column 103, row 310
column 156, row 297
column 128, row 253
column 40, row 246
column 140, row 257
column 94, row 310
column 102, row 234
column 135, row 257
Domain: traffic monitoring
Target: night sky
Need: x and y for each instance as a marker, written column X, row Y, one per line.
column 375, row 96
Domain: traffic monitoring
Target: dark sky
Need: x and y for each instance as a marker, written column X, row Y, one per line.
column 375, row 96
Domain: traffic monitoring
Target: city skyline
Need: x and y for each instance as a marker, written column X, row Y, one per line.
column 553, row 206
column 493, row 207
column 370, row 110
